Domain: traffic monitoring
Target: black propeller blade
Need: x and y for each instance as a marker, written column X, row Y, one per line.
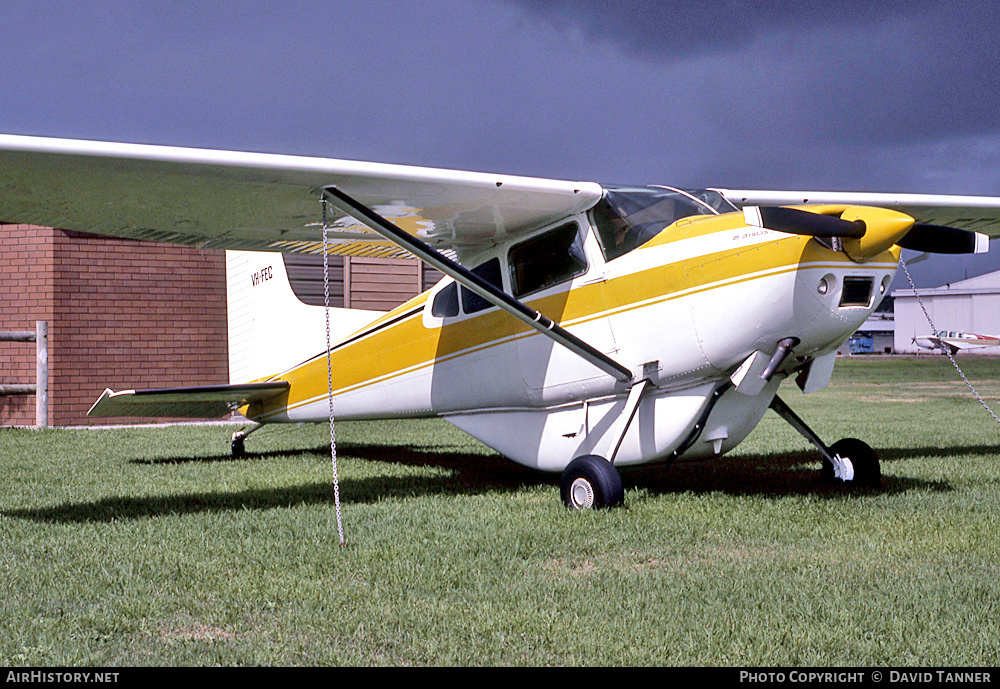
column 795, row 221
column 935, row 239
column 938, row 239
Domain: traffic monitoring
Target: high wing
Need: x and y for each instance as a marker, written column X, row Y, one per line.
column 260, row 201
column 240, row 200
column 974, row 213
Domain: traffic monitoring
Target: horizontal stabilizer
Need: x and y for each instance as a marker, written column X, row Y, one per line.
column 203, row 402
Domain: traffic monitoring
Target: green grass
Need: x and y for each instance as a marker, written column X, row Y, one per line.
column 151, row 547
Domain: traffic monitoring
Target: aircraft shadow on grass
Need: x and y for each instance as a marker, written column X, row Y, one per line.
column 771, row 475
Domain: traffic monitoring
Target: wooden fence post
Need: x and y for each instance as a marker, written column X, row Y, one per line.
column 41, row 387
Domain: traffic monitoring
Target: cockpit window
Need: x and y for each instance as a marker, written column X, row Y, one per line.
column 628, row 217
column 711, row 198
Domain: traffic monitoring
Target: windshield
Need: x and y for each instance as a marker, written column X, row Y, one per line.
column 628, row 217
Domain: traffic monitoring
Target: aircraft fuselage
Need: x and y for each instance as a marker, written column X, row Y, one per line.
column 684, row 311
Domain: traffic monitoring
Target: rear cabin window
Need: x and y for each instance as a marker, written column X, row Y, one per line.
column 547, row 260
column 490, row 272
column 446, row 302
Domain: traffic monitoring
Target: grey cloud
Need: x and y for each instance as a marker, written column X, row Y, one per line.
column 891, row 72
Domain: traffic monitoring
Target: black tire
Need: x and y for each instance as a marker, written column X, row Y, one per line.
column 237, row 448
column 591, row 482
column 864, row 461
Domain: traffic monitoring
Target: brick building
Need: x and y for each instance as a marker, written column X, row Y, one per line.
column 128, row 314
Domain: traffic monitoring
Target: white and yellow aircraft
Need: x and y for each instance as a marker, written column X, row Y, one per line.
column 578, row 328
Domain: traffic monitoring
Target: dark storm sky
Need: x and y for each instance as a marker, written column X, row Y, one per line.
column 860, row 96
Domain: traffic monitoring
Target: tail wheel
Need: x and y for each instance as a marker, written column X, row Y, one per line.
column 591, row 482
column 858, row 464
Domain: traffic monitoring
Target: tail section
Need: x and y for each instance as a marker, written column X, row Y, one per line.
column 277, row 321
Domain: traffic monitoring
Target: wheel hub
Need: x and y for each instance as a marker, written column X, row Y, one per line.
column 582, row 494
column 843, row 468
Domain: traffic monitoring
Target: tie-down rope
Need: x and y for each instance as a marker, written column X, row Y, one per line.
column 329, row 374
column 947, row 350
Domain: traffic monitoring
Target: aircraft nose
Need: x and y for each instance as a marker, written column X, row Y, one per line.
column 883, row 229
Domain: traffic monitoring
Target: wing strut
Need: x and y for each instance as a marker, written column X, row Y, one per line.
column 473, row 282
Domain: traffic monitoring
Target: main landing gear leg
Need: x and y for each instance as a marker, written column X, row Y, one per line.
column 848, row 461
column 593, row 482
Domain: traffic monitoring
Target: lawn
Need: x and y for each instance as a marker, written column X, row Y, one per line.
column 150, row 546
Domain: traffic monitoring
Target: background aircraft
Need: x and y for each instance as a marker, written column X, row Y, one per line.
column 954, row 342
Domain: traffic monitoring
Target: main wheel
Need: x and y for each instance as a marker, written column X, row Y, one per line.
column 591, row 482
column 859, row 464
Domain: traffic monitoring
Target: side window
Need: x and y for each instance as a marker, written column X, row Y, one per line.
column 446, row 302
column 547, row 260
column 490, row 272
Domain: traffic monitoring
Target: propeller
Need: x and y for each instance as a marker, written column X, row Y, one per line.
column 873, row 230
column 939, row 239
column 795, row 221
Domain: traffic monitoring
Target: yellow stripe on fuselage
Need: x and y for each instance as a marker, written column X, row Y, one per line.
column 382, row 352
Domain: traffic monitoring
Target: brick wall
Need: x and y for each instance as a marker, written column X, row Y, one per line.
column 122, row 314
column 26, row 262
column 129, row 315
